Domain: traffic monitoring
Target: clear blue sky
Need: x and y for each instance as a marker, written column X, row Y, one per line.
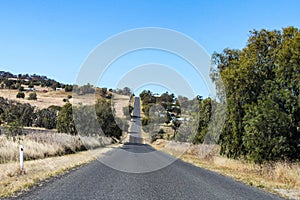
column 53, row 38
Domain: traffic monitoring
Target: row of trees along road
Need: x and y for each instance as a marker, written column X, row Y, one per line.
column 16, row 115
column 262, row 83
column 86, row 123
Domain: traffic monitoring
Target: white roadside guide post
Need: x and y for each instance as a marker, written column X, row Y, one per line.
column 21, row 157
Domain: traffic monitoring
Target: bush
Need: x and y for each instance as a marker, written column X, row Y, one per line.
column 161, row 131
column 68, row 88
column 145, row 121
column 54, row 108
column 21, row 95
column 65, row 121
column 32, row 96
column 46, row 118
column 21, row 89
column 109, row 96
column 11, row 111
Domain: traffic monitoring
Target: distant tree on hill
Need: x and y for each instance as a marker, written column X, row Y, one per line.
column 31, row 85
column 32, row 96
column 21, row 95
column 21, row 88
column 68, row 88
column 85, row 89
column 8, row 83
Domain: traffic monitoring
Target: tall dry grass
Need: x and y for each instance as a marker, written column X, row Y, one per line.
column 287, row 173
column 280, row 177
column 37, row 146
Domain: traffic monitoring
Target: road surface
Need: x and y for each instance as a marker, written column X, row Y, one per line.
column 137, row 171
column 135, row 132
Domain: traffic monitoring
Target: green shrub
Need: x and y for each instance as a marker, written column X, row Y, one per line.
column 21, row 95
column 32, row 96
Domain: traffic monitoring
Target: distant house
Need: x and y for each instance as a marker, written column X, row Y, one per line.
column 29, row 89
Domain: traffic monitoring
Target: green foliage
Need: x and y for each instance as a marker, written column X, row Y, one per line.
column 65, row 121
column 84, row 89
column 267, row 136
column 147, row 97
column 68, row 88
column 8, row 83
column 204, row 117
column 262, row 84
column 11, row 111
column 32, row 96
column 175, row 126
column 21, row 88
column 106, row 120
column 146, row 108
column 54, row 108
column 98, row 120
column 46, row 118
column 145, row 121
column 31, row 85
column 20, row 95
column 155, row 137
column 166, row 97
column 13, row 129
column 161, row 131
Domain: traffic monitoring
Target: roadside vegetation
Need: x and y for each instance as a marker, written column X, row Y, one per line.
column 66, row 135
column 253, row 129
column 262, row 84
column 54, row 141
column 258, row 98
column 37, row 171
column 282, row 178
column 251, row 132
column 43, row 145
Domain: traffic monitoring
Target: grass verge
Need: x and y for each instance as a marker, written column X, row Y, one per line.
column 12, row 180
column 47, row 144
column 279, row 178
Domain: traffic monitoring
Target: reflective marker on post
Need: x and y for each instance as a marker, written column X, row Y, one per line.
column 21, row 157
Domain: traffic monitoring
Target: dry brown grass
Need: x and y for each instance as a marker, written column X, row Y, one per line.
column 44, row 99
column 37, row 146
column 281, row 177
column 11, row 180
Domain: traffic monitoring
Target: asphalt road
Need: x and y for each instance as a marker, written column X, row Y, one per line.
column 135, row 132
column 136, row 171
